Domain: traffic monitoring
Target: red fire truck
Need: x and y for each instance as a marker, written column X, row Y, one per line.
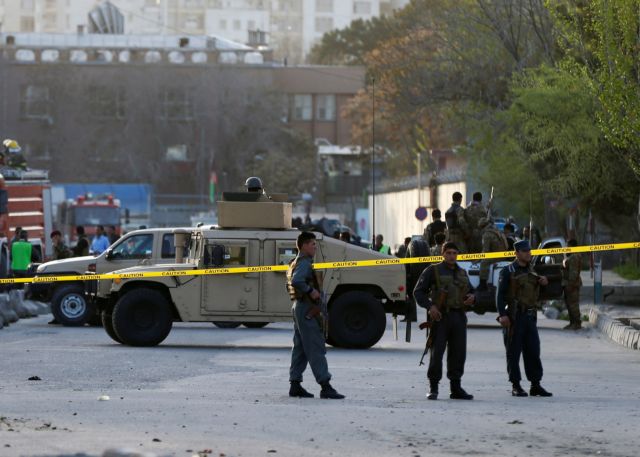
column 89, row 211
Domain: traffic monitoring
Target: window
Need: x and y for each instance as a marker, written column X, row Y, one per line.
column 326, row 107
column 27, row 24
column 236, row 24
column 324, row 6
column 361, row 8
column 177, row 104
column 235, row 255
column 324, row 24
column 251, row 25
column 217, row 255
column 223, row 24
column 107, row 102
column 133, row 247
column 26, row 4
column 35, row 102
column 286, row 255
column 169, row 247
column 302, row 107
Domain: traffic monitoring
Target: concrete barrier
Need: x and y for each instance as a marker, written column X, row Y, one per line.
column 622, row 334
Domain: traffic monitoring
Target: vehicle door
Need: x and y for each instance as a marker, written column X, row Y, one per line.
column 128, row 251
column 275, row 298
column 551, row 267
column 230, row 293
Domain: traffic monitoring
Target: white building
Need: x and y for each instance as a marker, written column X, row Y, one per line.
column 292, row 26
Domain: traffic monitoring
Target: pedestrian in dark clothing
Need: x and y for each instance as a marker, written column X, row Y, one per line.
column 437, row 226
column 402, row 250
column 112, row 235
column 81, row 248
column 444, row 290
column 518, row 292
column 509, row 230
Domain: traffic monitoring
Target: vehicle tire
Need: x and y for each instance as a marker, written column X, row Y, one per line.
column 255, row 324
column 142, row 317
column 356, row 320
column 221, row 324
column 69, row 306
column 107, row 324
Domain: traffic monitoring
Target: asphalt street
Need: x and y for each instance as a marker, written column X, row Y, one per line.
column 224, row 392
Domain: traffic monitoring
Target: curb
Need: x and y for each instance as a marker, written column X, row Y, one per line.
column 615, row 330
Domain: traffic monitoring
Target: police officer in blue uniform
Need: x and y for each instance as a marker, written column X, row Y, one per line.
column 518, row 292
column 308, row 337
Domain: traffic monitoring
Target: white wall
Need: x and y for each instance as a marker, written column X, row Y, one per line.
column 395, row 211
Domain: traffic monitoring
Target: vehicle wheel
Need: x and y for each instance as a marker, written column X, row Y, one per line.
column 255, row 324
column 356, row 320
column 221, row 324
column 107, row 323
column 142, row 317
column 69, row 306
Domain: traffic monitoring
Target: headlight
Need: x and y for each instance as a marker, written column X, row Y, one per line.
column 41, row 268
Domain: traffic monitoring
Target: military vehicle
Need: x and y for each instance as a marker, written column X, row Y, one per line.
column 68, row 304
column 140, row 311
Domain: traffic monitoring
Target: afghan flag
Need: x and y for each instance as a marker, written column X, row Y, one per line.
column 213, row 182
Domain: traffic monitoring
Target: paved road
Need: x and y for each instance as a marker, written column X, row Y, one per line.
column 225, row 390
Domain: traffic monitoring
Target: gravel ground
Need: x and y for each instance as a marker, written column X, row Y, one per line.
column 224, row 392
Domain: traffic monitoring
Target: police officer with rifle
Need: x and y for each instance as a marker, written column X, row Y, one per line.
column 518, row 292
column 444, row 290
column 309, row 322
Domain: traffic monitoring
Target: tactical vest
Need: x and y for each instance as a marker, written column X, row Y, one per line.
column 312, row 281
column 524, row 289
column 501, row 238
column 451, row 217
column 456, row 288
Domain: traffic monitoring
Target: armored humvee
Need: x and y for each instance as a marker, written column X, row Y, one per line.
column 139, row 311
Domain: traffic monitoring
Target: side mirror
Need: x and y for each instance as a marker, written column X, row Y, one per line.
column 109, row 255
column 548, row 260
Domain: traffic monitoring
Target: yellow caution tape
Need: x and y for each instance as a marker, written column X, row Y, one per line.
column 317, row 266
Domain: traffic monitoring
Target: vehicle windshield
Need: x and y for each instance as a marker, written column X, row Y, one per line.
column 97, row 215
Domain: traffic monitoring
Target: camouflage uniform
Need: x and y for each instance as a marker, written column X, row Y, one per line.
column 572, row 265
column 472, row 214
column 60, row 251
column 457, row 227
column 493, row 240
column 437, row 249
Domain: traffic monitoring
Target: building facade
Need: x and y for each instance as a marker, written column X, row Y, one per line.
column 164, row 110
column 291, row 27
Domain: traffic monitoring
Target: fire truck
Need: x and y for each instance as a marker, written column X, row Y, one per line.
column 29, row 207
column 89, row 211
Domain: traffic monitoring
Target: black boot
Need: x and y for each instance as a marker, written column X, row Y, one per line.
column 296, row 390
column 433, row 390
column 538, row 391
column 329, row 392
column 458, row 393
column 517, row 390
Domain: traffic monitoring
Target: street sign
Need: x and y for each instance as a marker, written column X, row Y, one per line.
column 421, row 213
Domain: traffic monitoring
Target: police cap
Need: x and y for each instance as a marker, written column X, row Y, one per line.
column 522, row 245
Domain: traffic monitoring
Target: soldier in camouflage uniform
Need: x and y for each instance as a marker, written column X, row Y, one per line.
column 439, row 239
column 60, row 250
column 493, row 240
column 457, row 227
column 572, row 266
column 472, row 215
column 308, row 338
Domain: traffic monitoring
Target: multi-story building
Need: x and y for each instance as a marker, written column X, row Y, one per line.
column 156, row 109
column 291, row 27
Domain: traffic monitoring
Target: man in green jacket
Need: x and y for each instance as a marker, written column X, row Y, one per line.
column 21, row 254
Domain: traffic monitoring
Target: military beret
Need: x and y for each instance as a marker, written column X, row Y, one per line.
column 522, row 245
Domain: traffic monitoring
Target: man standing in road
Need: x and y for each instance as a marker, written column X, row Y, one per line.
column 518, row 292
column 457, row 228
column 472, row 215
column 444, row 290
column 100, row 242
column 572, row 266
column 437, row 226
column 308, row 337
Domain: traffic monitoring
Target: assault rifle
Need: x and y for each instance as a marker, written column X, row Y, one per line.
column 429, row 325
